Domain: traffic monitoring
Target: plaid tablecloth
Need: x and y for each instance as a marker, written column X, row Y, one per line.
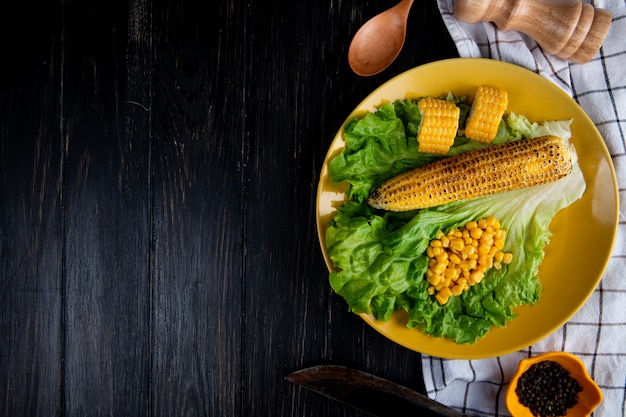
column 597, row 333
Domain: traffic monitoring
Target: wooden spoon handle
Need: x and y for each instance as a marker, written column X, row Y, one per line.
column 566, row 28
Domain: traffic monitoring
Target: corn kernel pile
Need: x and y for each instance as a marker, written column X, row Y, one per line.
column 460, row 258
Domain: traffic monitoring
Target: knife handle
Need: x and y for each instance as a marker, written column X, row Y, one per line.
column 568, row 29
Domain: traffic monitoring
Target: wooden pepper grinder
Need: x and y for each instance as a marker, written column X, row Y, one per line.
column 568, row 29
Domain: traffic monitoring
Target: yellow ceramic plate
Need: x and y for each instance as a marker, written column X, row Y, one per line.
column 583, row 233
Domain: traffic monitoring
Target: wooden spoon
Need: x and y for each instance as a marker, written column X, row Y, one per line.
column 379, row 41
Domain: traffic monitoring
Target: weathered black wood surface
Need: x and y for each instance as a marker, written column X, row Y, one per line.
column 158, row 171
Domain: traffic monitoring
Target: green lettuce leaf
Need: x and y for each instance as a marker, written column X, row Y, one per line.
column 379, row 256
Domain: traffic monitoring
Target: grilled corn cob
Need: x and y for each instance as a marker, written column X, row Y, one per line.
column 485, row 114
column 491, row 170
column 440, row 122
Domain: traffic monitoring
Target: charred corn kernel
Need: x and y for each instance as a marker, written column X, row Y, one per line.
column 459, row 264
column 439, row 125
column 491, row 170
column 486, row 113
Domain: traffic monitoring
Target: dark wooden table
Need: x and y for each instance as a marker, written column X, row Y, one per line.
column 158, row 171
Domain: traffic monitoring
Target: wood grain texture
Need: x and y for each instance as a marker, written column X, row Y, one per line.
column 31, row 215
column 159, row 165
column 198, row 204
column 108, row 217
column 569, row 29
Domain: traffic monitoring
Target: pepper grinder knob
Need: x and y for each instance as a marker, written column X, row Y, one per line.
column 568, row 29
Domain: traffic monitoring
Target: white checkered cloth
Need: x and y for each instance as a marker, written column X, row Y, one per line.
column 597, row 333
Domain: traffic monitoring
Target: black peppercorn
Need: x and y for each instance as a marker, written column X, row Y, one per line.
column 548, row 389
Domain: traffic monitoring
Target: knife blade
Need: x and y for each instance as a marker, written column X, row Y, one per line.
column 368, row 392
